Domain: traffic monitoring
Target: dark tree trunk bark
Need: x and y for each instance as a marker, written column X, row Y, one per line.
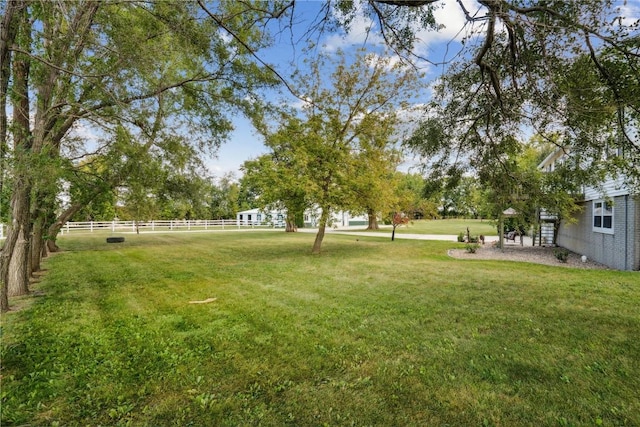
column 38, row 248
column 290, row 223
column 373, row 221
column 290, row 226
column 556, row 231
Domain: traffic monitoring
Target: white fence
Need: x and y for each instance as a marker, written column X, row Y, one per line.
column 146, row 226
column 168, row 225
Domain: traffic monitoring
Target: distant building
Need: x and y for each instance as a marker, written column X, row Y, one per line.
column 259, row 217
column 277, row 218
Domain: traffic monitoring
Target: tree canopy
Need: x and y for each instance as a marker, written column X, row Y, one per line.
column 104, row 66
column 336, row 151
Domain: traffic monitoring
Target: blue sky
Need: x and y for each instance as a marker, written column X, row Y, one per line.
column 438, row 46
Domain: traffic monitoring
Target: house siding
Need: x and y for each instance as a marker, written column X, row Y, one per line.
column 611, row 187
column 619, row 250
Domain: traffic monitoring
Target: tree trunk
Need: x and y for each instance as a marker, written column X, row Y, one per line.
column 317, row 244
column 18, row 272
column 15, row 252
column 54, row 229
column 290, row 223
column 373, row 221
column 15, row 256
column 291, row 226
column 38, row 248
column 8, row 31
column 556, row 230
column 393, row 233
column 5, row 259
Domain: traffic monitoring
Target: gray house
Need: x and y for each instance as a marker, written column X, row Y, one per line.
column 607, row 228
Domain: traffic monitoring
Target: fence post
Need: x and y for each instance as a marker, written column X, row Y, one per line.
column 91, row 226
column 67, row 227
column 153, row 226
column 188, row 224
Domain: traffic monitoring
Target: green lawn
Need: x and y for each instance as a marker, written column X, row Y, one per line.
column 371, row 332
column 450, row 226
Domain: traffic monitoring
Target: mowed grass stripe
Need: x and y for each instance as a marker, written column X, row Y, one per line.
column 371, row 332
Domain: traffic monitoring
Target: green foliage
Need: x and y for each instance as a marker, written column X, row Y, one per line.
column 561, row 254
column 5, row 198
column 154, row 86
column 224, row 198
column 280, row 180
column 401, row 22
column 472, row 247
column 573, row 91
column 411, row 197
column 360, row 335
column 337, row 154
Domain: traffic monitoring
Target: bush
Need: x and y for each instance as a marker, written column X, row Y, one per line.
column 461, row 237
column 472, row 247
column 562, row 254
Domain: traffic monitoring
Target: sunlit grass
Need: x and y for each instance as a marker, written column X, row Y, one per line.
column 449, row 226
column 371, row 332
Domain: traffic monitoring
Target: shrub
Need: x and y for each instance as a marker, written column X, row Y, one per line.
column 562, row 254
column 461, row 237
column 472, row 247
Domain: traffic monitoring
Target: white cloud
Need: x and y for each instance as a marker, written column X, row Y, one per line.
column 629, row 12
column 454, row 27
column 362, row 31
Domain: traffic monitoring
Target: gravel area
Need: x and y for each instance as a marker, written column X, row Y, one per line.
column 534, row 254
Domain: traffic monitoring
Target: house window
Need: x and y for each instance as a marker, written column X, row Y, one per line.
column 603, row 216
column 249, row 217
column 259, row 217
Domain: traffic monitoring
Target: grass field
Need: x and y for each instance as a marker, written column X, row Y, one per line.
column 450, row 226
column 371, row 332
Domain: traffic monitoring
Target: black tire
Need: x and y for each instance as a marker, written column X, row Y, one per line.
column 115, row 239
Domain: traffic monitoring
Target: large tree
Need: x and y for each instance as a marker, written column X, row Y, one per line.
column 280, row 178
column 518, row 66
column 548, row 67
column 376, row 183
column 351, row 109
column 72, row 65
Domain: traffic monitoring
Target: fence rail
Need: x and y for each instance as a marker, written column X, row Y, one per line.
column 161, row 225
